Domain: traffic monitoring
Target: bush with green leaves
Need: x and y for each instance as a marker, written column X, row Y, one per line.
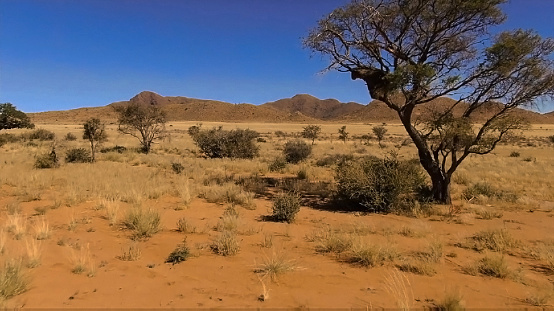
column 219, row 143
column 296, row 151
column 47, row 160
column 311, row 132
column 78, row 155
column 70, row 137
column 39, row 134
column 380, row 185
column 285, row 207
column 179, row 254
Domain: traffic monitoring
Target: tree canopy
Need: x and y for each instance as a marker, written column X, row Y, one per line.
column 11, row 118
column 144, row 122
column 412, row 52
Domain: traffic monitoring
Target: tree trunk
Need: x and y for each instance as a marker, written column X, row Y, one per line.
column 441, row 187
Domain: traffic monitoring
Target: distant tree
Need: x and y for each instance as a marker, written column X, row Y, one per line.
column 311, row 132
column 411, row 53
column 144, row 122
column 95, row 133
column 379, row 132
column 11, row 118
column 343, row 134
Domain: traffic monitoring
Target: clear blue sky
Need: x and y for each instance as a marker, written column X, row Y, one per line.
column 63, row 54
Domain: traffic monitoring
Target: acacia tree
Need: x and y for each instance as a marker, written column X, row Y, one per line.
column 311, row 132
column 412, row 52
column 95, row 132
column 144, row 122
column 11, row 118
column 379, row 132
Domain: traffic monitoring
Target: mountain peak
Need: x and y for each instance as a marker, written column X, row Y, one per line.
column 148, row 98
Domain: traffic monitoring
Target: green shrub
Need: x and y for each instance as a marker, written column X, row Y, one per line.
column 179, row 254
column 514, row 154
column 380, row 185
column 116, row 148
column 334, row 159
column 285, row 207
column 47, row 160
column 78, row 155
column 551, row 138
column 70, row 137
column 8, row 138
column 296, row 151
column 40, row 134
column 177, row 167
column 277, row 165
column 219, row 143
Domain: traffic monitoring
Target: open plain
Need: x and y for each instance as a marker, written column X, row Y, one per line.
column 67, row 230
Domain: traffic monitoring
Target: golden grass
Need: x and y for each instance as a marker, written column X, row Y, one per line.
column 131, row 253
column 400, row 288
column 13, row 280
column 275, row 265
column 17, row 225
column 41, row 229
column 33, row 248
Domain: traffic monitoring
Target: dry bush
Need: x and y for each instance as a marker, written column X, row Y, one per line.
column 226, row 244
column 82, row 261
column 143, row 222
column 184, row 226
column 493, row 265
column 17, row 225
column 13, row 281
column 368, row 255
column 332, row 242
column 78, row 155
column 131, row 253
column 482, row 191
column 219, row 143
column 452, row 301
column 498, row 240
column 228, row 193
column 296, row 151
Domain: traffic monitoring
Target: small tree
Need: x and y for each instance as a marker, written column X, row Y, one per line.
column 296, row 151
column 95, row 133
column 343, row 134
column 379, row 132
column 11, row 118
column 144, row 122
column 412, row 53
column 311, row 132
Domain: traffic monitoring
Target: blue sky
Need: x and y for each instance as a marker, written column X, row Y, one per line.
column 64, row 54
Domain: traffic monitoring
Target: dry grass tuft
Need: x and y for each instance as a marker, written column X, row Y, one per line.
column 42, row 229
column 13, row 281
column 184, row 226
column 131, row 253
column 399, row 287
column 275, row 265
column 452, row 301
column 17, row 225
column 498, row 240
column 143, row 222
column 33, row 248
column 493, row 265
column 226, row 244
column 372, row 255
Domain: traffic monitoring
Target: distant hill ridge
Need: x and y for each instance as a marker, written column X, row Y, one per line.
column 301, row 108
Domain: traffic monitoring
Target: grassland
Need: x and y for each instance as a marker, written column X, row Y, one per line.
column 87, row 234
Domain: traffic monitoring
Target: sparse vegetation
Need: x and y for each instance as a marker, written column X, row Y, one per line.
column 379, row 131
column 144, row 122
column 131, row 253
column 226, row 244
column 95, row 132
column 311, row 132
column 13, row 281
column 78, row 155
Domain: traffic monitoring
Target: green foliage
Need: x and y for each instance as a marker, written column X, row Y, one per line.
column 78, row 155
column 296, row 151
column 285, row 207
column 40, row 134
column 380, row 185
column 95, row 133
column 179, row 254
column 70, row 137
column 177, row 167
column 219, row 143
column 144, row 122
column 343, row 134
column 47, row 160
column 8, row 138
column 277, row 165
column 379, row 132
column 311, row 132
column 11, row 118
